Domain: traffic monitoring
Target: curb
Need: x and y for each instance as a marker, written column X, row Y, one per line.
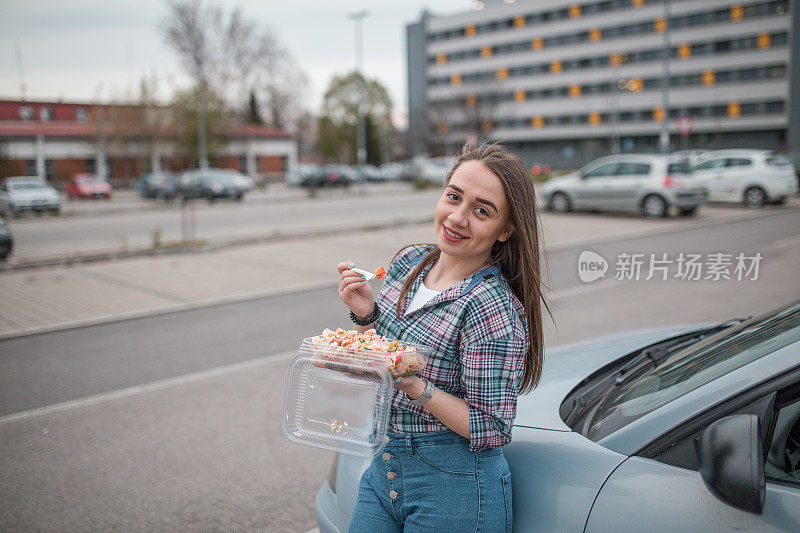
column 166, row 310
column 203, row 246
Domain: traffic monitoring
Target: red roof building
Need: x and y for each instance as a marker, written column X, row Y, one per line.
column 58, row 139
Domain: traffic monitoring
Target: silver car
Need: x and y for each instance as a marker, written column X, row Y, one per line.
column 751, row 177
column 649, row 183
column 672, row 428
column 28, row 193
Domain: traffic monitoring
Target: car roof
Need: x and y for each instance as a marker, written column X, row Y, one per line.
column 728, row 152
column 633, row 437
column 17, row 179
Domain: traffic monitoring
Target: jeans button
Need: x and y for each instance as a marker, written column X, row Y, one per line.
column 391, row 475
column 393, row 494
column 386, row 456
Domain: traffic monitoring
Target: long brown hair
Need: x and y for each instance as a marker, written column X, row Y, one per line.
column 517, row 257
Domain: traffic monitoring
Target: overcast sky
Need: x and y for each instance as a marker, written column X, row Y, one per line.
column 79, row 49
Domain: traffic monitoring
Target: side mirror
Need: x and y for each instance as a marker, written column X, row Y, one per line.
column 731, row 461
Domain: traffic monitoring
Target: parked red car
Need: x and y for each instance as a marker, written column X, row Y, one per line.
column 88, row 186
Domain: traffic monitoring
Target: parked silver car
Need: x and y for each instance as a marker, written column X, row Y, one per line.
column 28, row 193
column 752, row 177
column 672, row 428
column 648, row 183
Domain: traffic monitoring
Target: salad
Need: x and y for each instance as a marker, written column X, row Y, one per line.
column 337, row 348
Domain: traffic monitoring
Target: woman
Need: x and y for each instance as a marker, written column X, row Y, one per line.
column 475, row 298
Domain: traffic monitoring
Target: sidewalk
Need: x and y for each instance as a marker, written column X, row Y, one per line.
column 59, row 297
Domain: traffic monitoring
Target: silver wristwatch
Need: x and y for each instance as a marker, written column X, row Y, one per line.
column 422, row 400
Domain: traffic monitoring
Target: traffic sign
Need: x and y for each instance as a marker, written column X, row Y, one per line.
column 684, row 125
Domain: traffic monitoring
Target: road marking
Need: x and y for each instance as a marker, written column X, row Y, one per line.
column 127, row 392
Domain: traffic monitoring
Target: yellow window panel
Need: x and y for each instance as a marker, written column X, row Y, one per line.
column 574, row 11
column 470, row 31
column 661, row 24
column 442, row 128
column 575, row 91
column 595, row 118
column 520, row 95
column 764, row 41
column 471, row 100
column 502, row 73
column 519, row 21
column 556, row 67
column 638, row 3
column 486, row 51
column 636, row 85
column 441, row 59
column 537, row 122
column 737, row 13
column 709, row 78
column 595, row 35
column 658, row 114
column 685, row 51
column 615, row 60
column 734, row 110
column 537, row 44
column 486, row 125
column 455, row 79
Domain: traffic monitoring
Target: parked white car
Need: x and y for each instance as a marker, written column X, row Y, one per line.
column 28, row 193
column 649, row 183
column 435, row 169
column 752, row 177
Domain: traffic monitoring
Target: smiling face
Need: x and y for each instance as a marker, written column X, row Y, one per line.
column 472, row 214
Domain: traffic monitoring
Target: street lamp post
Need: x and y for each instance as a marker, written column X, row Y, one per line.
column 358, row 19
column 663, row 138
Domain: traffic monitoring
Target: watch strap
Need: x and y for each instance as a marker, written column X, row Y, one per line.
column 427, row 394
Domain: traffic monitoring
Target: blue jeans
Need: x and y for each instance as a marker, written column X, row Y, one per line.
column 432, row 482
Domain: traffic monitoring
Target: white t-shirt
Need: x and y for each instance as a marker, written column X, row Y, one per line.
column 422, row 296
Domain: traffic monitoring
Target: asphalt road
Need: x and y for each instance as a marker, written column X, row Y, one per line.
column 171, row 422
column 126, row 223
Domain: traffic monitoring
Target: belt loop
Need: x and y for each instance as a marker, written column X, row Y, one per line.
column 409, row 446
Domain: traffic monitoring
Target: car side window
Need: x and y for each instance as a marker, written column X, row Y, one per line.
column 710, row 164
column 602, row 171
column 783, row 449
column 737, row 162
column 633, row 169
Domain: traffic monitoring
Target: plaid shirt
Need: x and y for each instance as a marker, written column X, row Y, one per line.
column 479, row 335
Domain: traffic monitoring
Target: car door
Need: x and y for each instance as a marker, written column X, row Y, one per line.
column 4, row 199
column 711, row 174
column 623, row 190
column 662, row 490
column 739, row 172
column 592, row 189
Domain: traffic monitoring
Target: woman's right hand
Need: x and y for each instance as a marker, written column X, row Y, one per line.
column 354, row 291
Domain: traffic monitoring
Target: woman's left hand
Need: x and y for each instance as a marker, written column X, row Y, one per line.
column 413, row 386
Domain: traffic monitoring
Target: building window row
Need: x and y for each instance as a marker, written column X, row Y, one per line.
column 735, row 13
column 730, row 110
column 683, row 51
column 600, row 34
column 707, row 78
column 541, row 17
column 26, row 113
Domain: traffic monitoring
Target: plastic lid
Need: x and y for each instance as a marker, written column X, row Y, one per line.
column 345, row 409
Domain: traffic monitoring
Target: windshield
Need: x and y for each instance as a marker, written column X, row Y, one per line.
column 88, row 179
column 688, row 369
column 680, row 167
column 28, row 185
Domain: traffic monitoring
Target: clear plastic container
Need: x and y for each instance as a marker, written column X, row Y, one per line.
column 343, row 410
column 400, row 363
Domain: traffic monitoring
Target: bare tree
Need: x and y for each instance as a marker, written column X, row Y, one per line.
column 233, row 57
